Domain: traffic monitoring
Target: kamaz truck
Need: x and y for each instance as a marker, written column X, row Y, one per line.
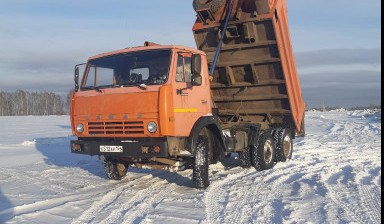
column 176, row 108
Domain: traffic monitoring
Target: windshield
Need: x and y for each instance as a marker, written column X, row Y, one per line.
column 129, row 69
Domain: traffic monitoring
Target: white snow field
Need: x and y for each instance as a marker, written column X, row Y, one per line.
column 333, row 177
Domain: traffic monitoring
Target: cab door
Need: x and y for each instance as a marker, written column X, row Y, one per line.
column 190, row 102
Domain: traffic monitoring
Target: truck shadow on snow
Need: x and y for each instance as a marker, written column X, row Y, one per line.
column 57, row 152
column 65, row 127
column 170, row 177
column 184, row 178
column 6, row 211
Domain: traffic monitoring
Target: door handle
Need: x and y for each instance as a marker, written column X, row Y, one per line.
column 180, row 92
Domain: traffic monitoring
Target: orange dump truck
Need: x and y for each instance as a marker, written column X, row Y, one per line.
column 175, row 108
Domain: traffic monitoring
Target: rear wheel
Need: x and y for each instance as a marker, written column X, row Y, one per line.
column 215, row 5
column 201, row 163
column 114, row 170
column 263, row 155
column 283, row 144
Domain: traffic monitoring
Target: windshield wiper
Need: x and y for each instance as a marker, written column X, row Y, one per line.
column 94, row 88
column 139, row 85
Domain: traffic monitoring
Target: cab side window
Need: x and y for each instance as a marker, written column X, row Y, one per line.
column 180, row 69
column 188, row 70
column 184, row 69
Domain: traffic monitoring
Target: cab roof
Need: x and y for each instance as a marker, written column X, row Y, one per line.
column 147, row 48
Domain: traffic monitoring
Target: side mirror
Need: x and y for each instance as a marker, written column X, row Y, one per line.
column 76, row 78
column 77, row 75
column 197, row 79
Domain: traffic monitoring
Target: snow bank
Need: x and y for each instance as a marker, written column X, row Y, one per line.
column 26, row 143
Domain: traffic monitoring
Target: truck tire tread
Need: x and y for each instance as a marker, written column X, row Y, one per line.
column 245, row 158
column 113, row 169
column 215, row 5
column 201, row 164
column 279, row 137
column 263, row 155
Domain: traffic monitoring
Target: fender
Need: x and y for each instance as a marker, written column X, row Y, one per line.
column 212, row 123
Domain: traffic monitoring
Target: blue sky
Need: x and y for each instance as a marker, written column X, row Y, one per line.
column 337, row 44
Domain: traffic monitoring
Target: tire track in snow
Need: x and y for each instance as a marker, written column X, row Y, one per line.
column 216, row 193
column 33, row 177
column 44, row 205
column 50, row 179
column 372, row 205
column 261, row 182
column 112, row 196
column 254, row 189
column 240, row 207
column 137, row 211
column 143, row 200
column 99, row 205
column 348, row 208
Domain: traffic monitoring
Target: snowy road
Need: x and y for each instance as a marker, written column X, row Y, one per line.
column 334, row 177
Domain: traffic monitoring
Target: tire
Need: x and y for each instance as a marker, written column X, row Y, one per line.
column 113, row 169
column 245, row 158
column 215, row 5
column 284, row 144
column 201, row 164
column 263, row 155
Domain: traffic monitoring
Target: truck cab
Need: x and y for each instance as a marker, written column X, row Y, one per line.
column 141, row 107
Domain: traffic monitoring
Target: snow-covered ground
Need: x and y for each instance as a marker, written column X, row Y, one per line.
column 334, row 177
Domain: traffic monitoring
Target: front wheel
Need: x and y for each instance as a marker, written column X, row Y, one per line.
column 201, row 163
column 263, row 155
column 114, row 170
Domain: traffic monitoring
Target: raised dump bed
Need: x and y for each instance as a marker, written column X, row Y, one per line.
column 255, row 79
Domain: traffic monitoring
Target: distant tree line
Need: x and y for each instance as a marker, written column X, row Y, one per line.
column 371, row 107
column 23, row 103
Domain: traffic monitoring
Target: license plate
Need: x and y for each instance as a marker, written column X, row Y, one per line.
column 108, row 148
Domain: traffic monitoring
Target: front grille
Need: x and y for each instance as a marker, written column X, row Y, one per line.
column 116, row 128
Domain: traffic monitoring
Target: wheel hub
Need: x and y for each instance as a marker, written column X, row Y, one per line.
column 121, row 169
column 287, row 146
column 268, row 150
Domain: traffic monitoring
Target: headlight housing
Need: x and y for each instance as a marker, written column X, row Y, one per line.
column 152, row 127
column 80, row 128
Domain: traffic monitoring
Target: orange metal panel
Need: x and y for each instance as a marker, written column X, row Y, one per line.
column 72, row 114
column 109, row 104
column 166, row 113
column 193, row 103
column 288, row 63
column 116, row 105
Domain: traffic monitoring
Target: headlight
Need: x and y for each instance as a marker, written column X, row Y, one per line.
column 80, row 128
column 152, row 127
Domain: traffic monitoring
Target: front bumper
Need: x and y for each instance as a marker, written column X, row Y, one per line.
column 137, row 148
